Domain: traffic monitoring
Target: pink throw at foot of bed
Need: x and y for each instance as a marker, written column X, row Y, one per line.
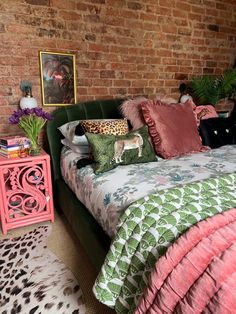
column 198, row 272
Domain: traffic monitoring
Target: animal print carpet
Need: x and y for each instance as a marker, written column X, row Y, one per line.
column 33, row 280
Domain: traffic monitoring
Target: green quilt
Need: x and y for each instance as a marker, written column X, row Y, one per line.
column 148, row 227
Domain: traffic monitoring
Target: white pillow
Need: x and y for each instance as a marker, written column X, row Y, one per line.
column 68, row 131
column 83, row 150
column 80, row 140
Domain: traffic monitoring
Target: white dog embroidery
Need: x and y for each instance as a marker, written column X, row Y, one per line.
column 120, row 146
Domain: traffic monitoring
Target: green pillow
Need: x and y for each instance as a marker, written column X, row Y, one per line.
column 110, row 151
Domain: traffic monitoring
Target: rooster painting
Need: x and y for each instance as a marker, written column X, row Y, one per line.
column 58, row 78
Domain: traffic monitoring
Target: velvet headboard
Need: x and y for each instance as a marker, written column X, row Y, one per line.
column 96, row 109
column 90, row 234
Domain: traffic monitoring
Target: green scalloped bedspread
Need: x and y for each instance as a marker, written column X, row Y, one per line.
column 148, row 227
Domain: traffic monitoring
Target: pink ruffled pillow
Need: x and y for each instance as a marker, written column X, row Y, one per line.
column 205, row 112
column 131, row 110
column 202, row 112
column 173, row 128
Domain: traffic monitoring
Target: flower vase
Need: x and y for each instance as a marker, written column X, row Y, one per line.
column 34, row 151
column 35, row 148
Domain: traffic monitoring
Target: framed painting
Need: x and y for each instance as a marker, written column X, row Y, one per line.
column 58, row 79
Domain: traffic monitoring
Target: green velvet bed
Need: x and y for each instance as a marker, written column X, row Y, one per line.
column 94, row 240
column 177, row 194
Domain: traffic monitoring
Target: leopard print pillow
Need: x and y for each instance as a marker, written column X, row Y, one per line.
column 110, row 127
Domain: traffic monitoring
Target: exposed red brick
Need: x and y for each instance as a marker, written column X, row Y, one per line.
column 103, row 82
column 132, row 47
column 133, row 75
column 92, row 18
column 183, row 6
column 185, row 31
column 139, row 83
column 211, row 64
column 221, row 6
column 163, row 11
column 169, row 29
column 2, row 28
column 170, row 83
column 70, row 15
column 195, row 17
column 169, row 61
column 45, row 12
column 130, row 14
column 172, row 69
column 179, row 13
column 166, row 3
column 149, row 76
column 90, row 37
column 184, row 62
column 148, row 17
column 136, row 91
column 212, row 12
column 181, row 76
column 62, row 4
column 38, row 2
column 107, row 74
column 134, row 5
column 198, row 63
column 208, row 71
column 98, row 47
column 156, row 83
column 118, row 91
column 97, row 91
column 197, row 41
column 99, row 1
column 186, row 69
column 198, row 9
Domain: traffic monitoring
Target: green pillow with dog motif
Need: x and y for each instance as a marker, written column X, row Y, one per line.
column 110, row 151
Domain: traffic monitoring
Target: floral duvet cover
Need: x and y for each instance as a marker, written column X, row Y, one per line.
column 108, row 195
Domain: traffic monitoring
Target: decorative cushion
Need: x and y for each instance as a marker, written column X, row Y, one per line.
column 68, row 130
column 110, row 151
column 205, row 112
column 83, row 150
column 106, row 126
column 173, row 128
column 83, row 153
column 131, row 110
column 216, row 132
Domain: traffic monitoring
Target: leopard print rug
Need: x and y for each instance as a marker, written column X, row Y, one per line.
column 33, row 280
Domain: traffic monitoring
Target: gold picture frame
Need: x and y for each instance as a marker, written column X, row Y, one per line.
column 58, row 78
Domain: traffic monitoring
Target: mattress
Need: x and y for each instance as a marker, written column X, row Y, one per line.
column 107, row 195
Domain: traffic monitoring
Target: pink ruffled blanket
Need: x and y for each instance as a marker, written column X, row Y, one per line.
column 198, row 272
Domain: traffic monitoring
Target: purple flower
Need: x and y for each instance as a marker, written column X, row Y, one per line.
column 47, row 116
column 38, row 112
column 26, row 111
column 19, row 113
column 14, row 119
column 16, row 116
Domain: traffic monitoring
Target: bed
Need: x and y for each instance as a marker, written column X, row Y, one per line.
column 94, row 240
column 208, row 180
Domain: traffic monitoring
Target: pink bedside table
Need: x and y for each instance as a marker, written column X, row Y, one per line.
column 25, row 191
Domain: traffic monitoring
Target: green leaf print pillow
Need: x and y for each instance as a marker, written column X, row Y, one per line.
column 110, row 151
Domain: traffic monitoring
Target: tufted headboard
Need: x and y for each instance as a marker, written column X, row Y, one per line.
column 96, row 109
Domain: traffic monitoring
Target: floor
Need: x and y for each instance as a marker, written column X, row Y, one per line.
column 65, row 245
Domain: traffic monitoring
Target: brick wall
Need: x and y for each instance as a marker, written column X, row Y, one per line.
column 122, row 47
